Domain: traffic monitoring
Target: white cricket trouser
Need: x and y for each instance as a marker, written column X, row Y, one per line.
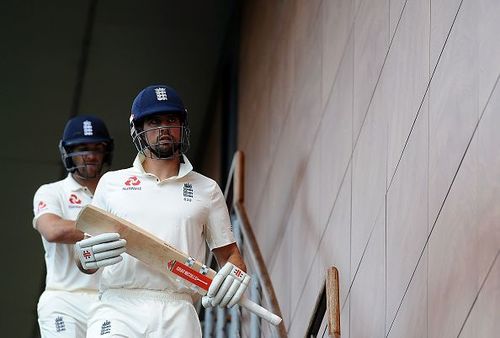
column 65, row 313
column 144, row 313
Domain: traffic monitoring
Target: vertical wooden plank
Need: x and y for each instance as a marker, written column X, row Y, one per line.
column 332, row 302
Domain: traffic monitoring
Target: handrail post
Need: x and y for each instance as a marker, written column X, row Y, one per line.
column 246, row 240
column 332, row 302
column 238, row 171
column 239, row 178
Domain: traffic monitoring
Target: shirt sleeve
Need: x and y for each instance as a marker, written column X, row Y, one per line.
column 219, row 230
column 46, row 201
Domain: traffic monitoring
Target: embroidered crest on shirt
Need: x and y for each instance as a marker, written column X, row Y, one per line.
column 132, row 183
column 106, row 328
column 187, row 192
column 59, row 323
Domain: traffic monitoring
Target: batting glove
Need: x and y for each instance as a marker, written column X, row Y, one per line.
column 227, row 287
column 101, row 250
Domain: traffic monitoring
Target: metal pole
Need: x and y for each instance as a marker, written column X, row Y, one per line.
column 254, row 319
column 208, row 323
column 234, row 327
column 221, row 322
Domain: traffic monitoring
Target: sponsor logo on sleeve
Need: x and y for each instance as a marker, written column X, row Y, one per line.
column 41, row 206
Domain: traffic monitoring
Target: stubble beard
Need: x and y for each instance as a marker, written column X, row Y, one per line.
column 89, row 171
column 166, row 150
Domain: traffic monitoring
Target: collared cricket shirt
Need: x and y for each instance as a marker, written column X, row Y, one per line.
column 187, row 211
column 64, row 198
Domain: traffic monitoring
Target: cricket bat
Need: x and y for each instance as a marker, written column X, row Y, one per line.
column 159, row 255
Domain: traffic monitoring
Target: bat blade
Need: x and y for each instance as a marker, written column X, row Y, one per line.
column 158, row 254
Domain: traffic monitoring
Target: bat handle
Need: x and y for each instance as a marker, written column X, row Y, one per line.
column 260, row 311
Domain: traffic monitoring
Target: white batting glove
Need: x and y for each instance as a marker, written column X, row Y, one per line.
column 227, row 287
column 101, row 250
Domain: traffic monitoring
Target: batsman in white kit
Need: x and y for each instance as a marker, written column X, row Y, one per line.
column 86, row 150
column 163, row 195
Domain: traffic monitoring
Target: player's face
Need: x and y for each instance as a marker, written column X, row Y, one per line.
column 88, row 159
column 163, row 134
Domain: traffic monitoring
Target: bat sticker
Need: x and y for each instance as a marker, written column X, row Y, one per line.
column 192, row 276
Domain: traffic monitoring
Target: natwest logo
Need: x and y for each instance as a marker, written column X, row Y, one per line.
column 132, row 183
column 41, row 205
column 73, row 199
column 133, row 180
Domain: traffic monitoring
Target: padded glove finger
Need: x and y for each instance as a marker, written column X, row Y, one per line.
column 219, row 279
column 108, row 246
column 239, row 293
column 108, row 254
column 101, row 250
column 103, row 263
column 102, row 238
column 222, row 291
column 230, row 293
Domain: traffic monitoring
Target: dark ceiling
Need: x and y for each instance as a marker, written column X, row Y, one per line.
column 61, row 58
column 92, row 57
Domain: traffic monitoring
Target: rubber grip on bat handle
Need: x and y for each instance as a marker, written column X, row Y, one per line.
column 260, row 311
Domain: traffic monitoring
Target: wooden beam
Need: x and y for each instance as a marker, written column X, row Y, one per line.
column 332, row 302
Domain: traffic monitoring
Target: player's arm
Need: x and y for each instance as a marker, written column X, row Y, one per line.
column 55, row 229
column 101, row 250
column 229, row 253
column 231, row 280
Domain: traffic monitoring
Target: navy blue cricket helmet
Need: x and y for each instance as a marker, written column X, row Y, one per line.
column 153, row 100
column 84, row 129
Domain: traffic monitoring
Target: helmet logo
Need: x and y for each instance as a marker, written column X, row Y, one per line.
column 161, row 94
column 87, row 128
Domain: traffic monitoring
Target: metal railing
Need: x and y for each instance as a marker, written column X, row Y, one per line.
column 237, row 322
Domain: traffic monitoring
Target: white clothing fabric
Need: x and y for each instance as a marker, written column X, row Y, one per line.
column 155, row 314
column 187, row 211
column 65, row 314
column 64, row 198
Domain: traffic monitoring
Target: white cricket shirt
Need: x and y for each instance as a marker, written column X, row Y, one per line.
column 64, row 198
column 185, row 211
